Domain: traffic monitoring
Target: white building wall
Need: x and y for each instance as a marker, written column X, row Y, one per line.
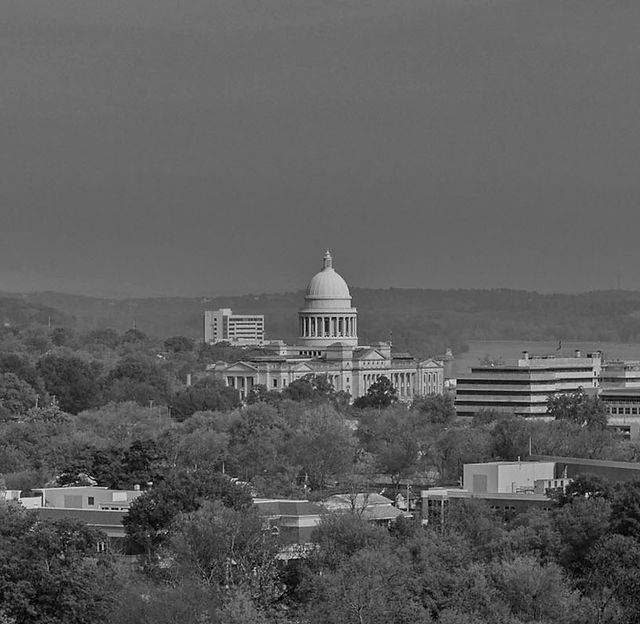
column 224, row 326
column 522, row 475
column 505, row 477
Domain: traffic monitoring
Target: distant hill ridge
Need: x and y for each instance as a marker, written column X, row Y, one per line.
column 424, row 322
column 16, row 310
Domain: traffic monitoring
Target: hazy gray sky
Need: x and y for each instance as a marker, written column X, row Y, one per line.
column 219, row 146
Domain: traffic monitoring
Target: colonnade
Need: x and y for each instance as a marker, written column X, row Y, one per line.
column 332, row 326
column 242, row 383
column 430, row 383
column 404, row 383
column 368, row 379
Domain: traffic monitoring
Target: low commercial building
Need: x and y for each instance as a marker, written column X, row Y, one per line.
column 434, row 503
column 91, row 497
column 508, row 488
column 98, row 507
column 293, row 521
column 501, row 477
column 524, row 386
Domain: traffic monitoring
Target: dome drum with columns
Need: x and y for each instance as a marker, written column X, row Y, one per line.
column 327, row 316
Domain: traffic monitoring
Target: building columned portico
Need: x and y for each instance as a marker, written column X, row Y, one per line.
column 328, row 345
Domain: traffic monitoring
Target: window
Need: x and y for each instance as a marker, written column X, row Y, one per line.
column 275, row 383
column 91, row 500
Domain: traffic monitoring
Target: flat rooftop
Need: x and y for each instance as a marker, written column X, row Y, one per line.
column 620, row 392
column 603, row 463
column 511, row 463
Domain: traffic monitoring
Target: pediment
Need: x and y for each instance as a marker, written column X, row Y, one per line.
column 241, row 367
column 302, row 367
column 430, row 363
column 372, row 356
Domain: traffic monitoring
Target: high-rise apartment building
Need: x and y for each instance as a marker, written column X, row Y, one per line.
column 240, row 329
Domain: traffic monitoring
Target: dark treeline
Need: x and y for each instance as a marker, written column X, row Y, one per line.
column 424, row 322
column 114, row 407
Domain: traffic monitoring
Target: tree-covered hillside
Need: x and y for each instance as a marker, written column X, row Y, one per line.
column 18, row 311
column 424, row 322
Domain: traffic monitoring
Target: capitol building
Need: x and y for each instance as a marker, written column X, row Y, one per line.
column 327, row 344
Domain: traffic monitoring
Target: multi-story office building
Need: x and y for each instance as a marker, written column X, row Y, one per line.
column 620, row 374
column 524, row 386
column 239, row 329
column 623, row 409
column 620, row 392
column 328, row 345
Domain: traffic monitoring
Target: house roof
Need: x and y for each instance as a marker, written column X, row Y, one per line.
column 382, row 512
column 370, row 506
column 278, row 507
column 362, row 499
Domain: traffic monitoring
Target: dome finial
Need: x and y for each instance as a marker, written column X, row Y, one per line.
column 328, row 262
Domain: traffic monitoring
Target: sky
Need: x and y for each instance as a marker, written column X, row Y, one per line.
column 211, row 147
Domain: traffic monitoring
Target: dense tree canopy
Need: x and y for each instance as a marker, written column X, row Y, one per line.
column 208, row 394
column 578, row 407
column 71, row 380
column 123, row 414
column 50, row 571
column 151, row 515
column 136, row 377
column 16, row 395
column 380, row 394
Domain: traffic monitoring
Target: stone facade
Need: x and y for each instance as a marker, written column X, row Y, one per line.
column 328, row 345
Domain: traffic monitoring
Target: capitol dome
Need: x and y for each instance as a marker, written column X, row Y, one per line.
column 327, row 284
column 327, row 316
